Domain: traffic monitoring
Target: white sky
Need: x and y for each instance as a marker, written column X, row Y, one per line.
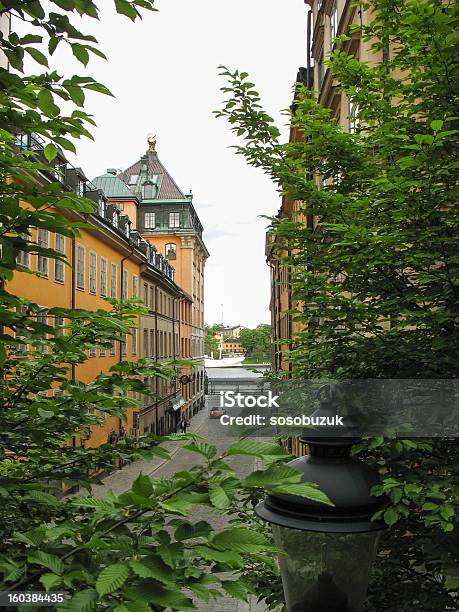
column 163, row 72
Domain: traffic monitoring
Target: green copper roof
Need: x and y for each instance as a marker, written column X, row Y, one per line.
column 113, row 187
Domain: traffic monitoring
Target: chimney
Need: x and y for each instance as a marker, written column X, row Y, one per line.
column 112, row 171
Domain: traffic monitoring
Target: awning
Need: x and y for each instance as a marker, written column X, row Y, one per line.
column 177, row 403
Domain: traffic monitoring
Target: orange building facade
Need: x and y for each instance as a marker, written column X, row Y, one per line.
column 110, row 259
column 166, row 218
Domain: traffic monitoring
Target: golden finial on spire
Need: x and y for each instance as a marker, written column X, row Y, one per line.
column 151, row 143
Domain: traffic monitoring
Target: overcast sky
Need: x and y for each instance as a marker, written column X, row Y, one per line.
column 163, row 72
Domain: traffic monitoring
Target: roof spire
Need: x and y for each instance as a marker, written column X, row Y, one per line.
column 151, row 143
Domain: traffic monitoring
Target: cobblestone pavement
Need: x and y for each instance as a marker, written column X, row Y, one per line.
column 121, row 481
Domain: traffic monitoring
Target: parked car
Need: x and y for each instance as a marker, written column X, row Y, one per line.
column 216, row 413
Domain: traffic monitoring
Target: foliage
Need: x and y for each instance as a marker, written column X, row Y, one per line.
column 210, row 341
column 140, row 550
column 257, row 342
column 375, row 277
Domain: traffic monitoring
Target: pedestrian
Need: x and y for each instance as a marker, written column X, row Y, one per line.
column 112, row 437
column 183, row 425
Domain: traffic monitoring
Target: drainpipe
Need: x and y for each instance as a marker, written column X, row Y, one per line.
column 121, row 288
column 156, row 356
column 73, row 292
column 308, row 51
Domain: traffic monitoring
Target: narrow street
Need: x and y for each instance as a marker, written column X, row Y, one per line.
column 181, row 459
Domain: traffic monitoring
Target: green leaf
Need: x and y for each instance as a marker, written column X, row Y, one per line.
column 187, row 531
column 391, row 516
column 222, row 556
column 218, row 497
column 37, row 55
column 50, row 151
column 207, row 450
column 305, row 489
column 80, row 52
column 236, row 588
column 111, row 578
column 125, row 8
column 44, row 559
column 83, row 601
column 142, row 486
column 153, row 567
column 241, row 540
column 275, row 474
column 151, row 591
column 177, row 504
column 46, row 104
column 436, row 125
column 257, row 449
column 49, row 580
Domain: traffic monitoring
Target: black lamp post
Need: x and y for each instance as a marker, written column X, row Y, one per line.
column 328, row 550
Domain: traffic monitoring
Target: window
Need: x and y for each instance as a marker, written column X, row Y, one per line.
column 133, row 179
column 319, row 5
column 124, row 286
column 59, row 324
column 103, row 276
column 145, row 294
column 92, row 351
column 102, row 352
column 23, row 257
column 112, row 349
column 120, row 205
column 42, row 241
column 174, row 219
column 134, row 341
column 333, row 22
column 113, row 273
column 59, row 266
column 123, row 344
column 92, row 272
column 320, row 67
column 101, row 206
column 152, row 343
column 145, row 343
column 171, row 251
column 80, row 267
column 353, row 116
column 152, row 298
column 135, row 285
column 150, row 220
column 42, row 318
column 80, row 188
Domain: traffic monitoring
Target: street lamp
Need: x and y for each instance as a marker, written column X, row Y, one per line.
column 327, row 550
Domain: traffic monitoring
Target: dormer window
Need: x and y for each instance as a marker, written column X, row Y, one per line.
column 149, row 190
column 101, row 206
column 133, row 179
column 115, row 218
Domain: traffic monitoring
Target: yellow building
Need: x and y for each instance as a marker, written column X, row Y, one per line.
column 109, row 259
column 165, row 217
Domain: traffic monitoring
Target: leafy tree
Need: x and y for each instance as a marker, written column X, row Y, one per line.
column 140, row 550
column 210, row 341
column 257, row 342
column 376, row 282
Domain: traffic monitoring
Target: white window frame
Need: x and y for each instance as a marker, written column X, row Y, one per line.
column 93, row 272
column 353, row 111
column 80, row 274
column 59, row 266
column 174, row 219
column 125, row 285
column 103, row 272
column 134, row 341
column 333, row 22
column 113, row 279
column 152, row 216
column 135, row 286
column 43, row 241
